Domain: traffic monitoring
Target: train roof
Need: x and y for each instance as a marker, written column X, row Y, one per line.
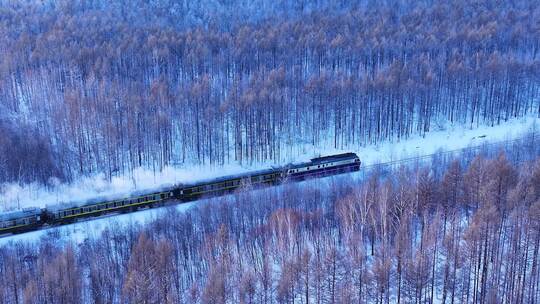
column 232, row 176
column 26, row 212
column 334, row 157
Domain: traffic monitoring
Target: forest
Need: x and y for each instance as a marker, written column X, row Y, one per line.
column 91, row 86
column 451, row 230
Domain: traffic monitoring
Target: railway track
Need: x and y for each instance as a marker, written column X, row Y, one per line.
column 532, row 139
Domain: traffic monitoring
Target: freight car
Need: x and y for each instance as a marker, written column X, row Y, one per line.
column 35, row 218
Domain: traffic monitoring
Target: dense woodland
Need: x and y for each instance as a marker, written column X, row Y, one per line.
column 100, row 86
column 465, row 230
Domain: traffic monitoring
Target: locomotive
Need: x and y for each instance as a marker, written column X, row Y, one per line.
column 35, row 218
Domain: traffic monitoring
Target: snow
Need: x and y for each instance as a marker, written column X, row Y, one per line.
column 15, row 196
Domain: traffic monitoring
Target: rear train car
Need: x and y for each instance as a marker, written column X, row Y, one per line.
column 19, row 221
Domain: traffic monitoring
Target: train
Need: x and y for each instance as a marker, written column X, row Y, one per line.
column 30, row 219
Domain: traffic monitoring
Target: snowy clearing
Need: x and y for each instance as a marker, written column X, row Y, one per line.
column 14, row 196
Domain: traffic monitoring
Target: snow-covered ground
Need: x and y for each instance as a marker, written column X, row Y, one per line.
column 31, row 195
column 15, row 196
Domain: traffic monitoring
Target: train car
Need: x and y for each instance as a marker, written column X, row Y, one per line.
column 71, row 212
column 19, row 221
column 227, row 184
column 325, row 166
